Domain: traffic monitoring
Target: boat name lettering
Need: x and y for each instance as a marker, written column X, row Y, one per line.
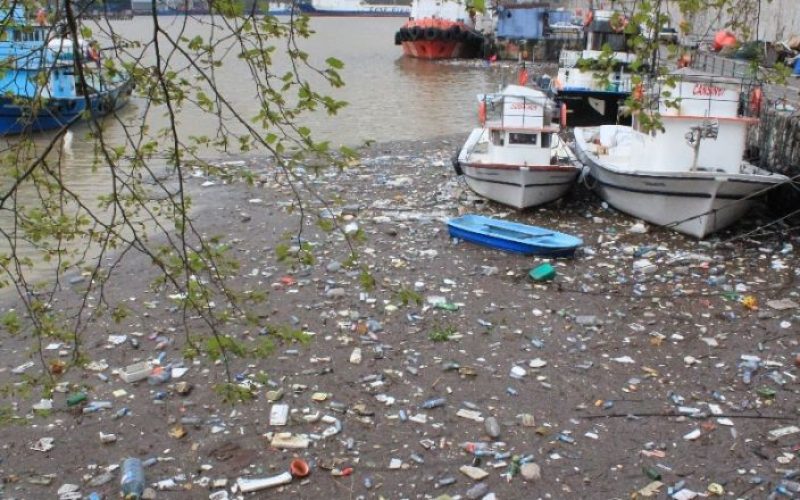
column 707, row 90
column 525, row 105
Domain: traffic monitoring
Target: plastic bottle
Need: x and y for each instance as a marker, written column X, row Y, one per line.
column 476, row 448
column 132, row 480
column 433, row 403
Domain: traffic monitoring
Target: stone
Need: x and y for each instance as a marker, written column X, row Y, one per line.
column 335, row 293
column 492, row 427
column 531, row 472
column 478, row 491
column 588, row 321
column 537, row 363
column 474, row 473
column 782, row 304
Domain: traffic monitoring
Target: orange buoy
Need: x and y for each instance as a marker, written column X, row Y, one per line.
column 756, row 99
column 522, row 78
column 94, row 54
column 41, row 17
column 563, row 115
column 482, row 112
column 723, row 39
column 638, row 92
column 588, row 18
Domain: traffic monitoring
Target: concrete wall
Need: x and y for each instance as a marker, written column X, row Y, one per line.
column 779, row 19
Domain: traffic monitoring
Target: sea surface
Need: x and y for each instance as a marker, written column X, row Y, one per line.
column 390, row 97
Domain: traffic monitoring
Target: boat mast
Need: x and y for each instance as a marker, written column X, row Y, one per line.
column 654, row 38
column 709, row 129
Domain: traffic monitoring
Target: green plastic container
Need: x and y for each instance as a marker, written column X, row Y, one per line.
column 77, row 398
column 543, row 272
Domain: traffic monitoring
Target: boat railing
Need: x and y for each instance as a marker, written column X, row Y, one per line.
column 708, row 95
column 519, row 111
column 569, row 58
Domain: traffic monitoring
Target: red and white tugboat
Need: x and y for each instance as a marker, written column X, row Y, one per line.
column 441, row 30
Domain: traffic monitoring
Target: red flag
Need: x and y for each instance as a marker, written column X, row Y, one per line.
column 523, row 77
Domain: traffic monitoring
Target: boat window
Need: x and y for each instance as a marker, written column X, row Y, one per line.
column 616, row 41
column 517, row 138
column 496, row 137
column 545, row 140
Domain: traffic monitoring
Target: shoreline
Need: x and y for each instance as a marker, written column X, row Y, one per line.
column 602, row 341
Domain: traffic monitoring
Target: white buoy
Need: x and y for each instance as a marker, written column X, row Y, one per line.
column 67, row 143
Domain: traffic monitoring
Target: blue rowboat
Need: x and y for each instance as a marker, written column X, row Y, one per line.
column 512, row 236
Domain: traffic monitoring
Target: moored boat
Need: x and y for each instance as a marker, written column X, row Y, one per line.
column 29, row 103
column 440, row 30
column 691, row 176
column 592, row 84
column 517, row 157
column 513, row 236
column 355, row 8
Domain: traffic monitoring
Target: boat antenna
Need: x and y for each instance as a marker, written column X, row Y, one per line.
column 709, row 129
column 654, row 39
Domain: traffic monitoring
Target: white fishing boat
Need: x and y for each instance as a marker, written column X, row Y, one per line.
column 691, row 176
column 594, row 84
column 516, row 157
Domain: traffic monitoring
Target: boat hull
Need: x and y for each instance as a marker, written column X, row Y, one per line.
column 519, row 187
column 367, row 11
column 693, row 203
column 437, row 49
column 429, row 38
column 15, row 116
column 513, row 237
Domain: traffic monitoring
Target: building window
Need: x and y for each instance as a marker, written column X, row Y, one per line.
column 516, row 138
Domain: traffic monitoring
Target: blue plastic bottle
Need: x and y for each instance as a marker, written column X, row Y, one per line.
column 132, row 480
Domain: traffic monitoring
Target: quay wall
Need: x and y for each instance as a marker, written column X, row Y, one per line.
column 770, row 21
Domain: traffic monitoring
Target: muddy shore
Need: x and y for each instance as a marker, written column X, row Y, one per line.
column 630, row 367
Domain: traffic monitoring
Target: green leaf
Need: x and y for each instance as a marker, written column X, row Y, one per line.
column 10, row 321
column 334, row 63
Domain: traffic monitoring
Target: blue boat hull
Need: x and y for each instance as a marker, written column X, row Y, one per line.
column 15, row 116
column 513, row 237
